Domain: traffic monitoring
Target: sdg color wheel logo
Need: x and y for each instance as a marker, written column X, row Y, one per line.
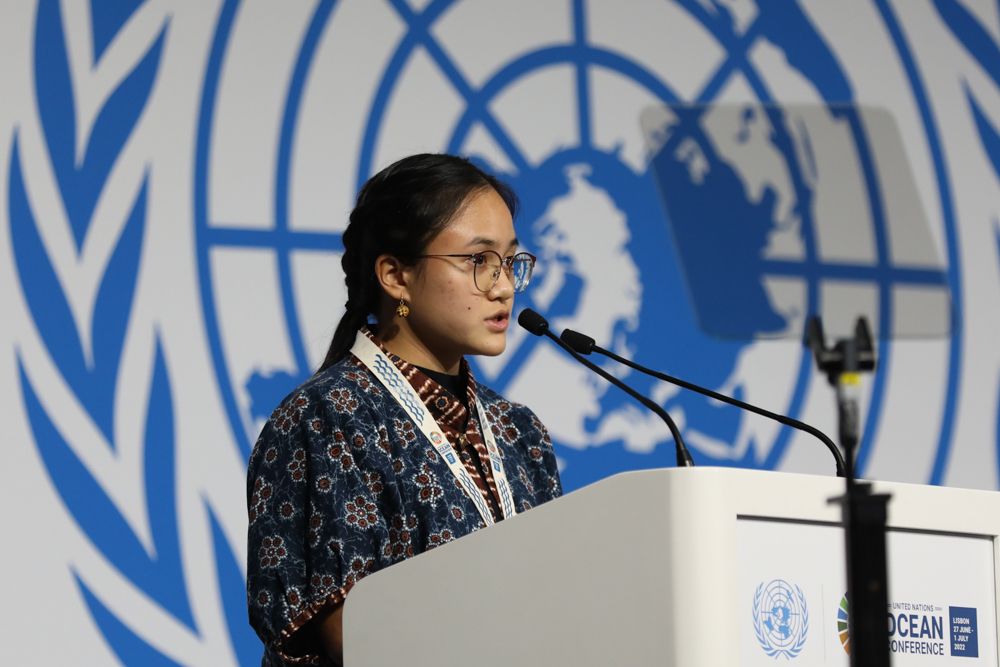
column 843, row 625
column 122, row 486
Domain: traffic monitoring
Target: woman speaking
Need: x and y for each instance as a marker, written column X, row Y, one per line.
column 392, row 447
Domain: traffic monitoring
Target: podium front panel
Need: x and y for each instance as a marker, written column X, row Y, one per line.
column 686, row 568
column 792, row 586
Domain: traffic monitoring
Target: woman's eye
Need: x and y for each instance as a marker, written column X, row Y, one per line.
column 478, row 259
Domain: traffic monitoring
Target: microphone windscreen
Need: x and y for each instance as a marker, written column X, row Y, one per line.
column 533, row 322
column 580, row 343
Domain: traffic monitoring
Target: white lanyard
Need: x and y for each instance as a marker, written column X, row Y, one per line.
column 379, row 364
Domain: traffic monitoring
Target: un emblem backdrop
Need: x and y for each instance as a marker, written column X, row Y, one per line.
column 175, row 178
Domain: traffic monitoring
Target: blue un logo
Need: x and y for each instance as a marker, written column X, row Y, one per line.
column 593, row 210
column 780, row 618
column 545, row 102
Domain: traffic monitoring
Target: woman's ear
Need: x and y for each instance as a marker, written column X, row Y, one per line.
column 392, row 276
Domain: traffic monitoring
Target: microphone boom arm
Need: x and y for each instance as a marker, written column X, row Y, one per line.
column 577, row 339
column 539, row 326
column 683, row 456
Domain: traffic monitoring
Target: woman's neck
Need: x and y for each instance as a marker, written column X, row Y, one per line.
column 405, row 344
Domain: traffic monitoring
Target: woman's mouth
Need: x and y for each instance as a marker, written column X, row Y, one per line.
column 498, row 322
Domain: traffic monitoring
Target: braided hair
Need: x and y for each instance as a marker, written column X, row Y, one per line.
column 398, row 212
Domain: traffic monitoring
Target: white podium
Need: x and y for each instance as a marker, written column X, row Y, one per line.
column 711, row 567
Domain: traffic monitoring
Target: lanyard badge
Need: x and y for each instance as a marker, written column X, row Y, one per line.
column 382, row 368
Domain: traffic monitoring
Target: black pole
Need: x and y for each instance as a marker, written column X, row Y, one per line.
column 864, row 516
column 864, row 513
column 868, row 598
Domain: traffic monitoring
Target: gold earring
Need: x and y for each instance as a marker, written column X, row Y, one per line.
column 402, row 309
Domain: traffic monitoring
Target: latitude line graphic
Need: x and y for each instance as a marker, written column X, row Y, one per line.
column 951, row 236
column 271, row 238
column 735, row 61
column 582, row 74
column 200, row 205
column 300, row 74
column 807, row 231
column 419, row 30
column 723, row 33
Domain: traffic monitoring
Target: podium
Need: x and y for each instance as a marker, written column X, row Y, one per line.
column 687, row 567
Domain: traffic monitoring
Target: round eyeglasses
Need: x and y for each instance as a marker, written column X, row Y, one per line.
column 488, row 265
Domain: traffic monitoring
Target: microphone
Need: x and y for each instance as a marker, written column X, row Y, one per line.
column 533, row 322
column 539, row 326
column 582, row 344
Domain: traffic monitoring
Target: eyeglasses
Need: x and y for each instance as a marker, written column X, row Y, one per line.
column 488, row 264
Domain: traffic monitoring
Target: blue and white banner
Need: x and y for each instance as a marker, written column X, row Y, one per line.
column 175, row 177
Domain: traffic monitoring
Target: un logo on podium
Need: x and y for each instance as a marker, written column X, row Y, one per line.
column 781, row 618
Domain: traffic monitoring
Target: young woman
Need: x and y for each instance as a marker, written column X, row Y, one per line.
column 392, row 448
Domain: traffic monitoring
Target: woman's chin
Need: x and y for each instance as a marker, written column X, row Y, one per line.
column 492, row 348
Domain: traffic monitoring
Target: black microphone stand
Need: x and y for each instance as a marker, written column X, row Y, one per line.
column 864, row 512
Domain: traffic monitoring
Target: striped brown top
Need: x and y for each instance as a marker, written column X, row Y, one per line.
column 458, row 423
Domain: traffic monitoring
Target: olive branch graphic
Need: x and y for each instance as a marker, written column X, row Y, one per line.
column 984, row 50
column 91, row 369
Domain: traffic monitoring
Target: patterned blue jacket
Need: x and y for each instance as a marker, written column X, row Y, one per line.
column 342, row 483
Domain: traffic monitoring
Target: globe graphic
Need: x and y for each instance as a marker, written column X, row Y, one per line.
column 781, row 615
column 618, row 279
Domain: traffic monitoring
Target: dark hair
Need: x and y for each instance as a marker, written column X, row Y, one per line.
column 398, row 212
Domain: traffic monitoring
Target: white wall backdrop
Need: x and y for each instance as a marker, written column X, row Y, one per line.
column 175, row 177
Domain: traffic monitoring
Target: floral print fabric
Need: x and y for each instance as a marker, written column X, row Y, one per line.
column 341, row 483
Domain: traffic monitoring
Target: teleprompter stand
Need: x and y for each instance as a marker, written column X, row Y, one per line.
column 864, row 512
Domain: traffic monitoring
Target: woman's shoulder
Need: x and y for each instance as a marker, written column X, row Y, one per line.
column 334, row 395
column 346, row 377
column 341, row 398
